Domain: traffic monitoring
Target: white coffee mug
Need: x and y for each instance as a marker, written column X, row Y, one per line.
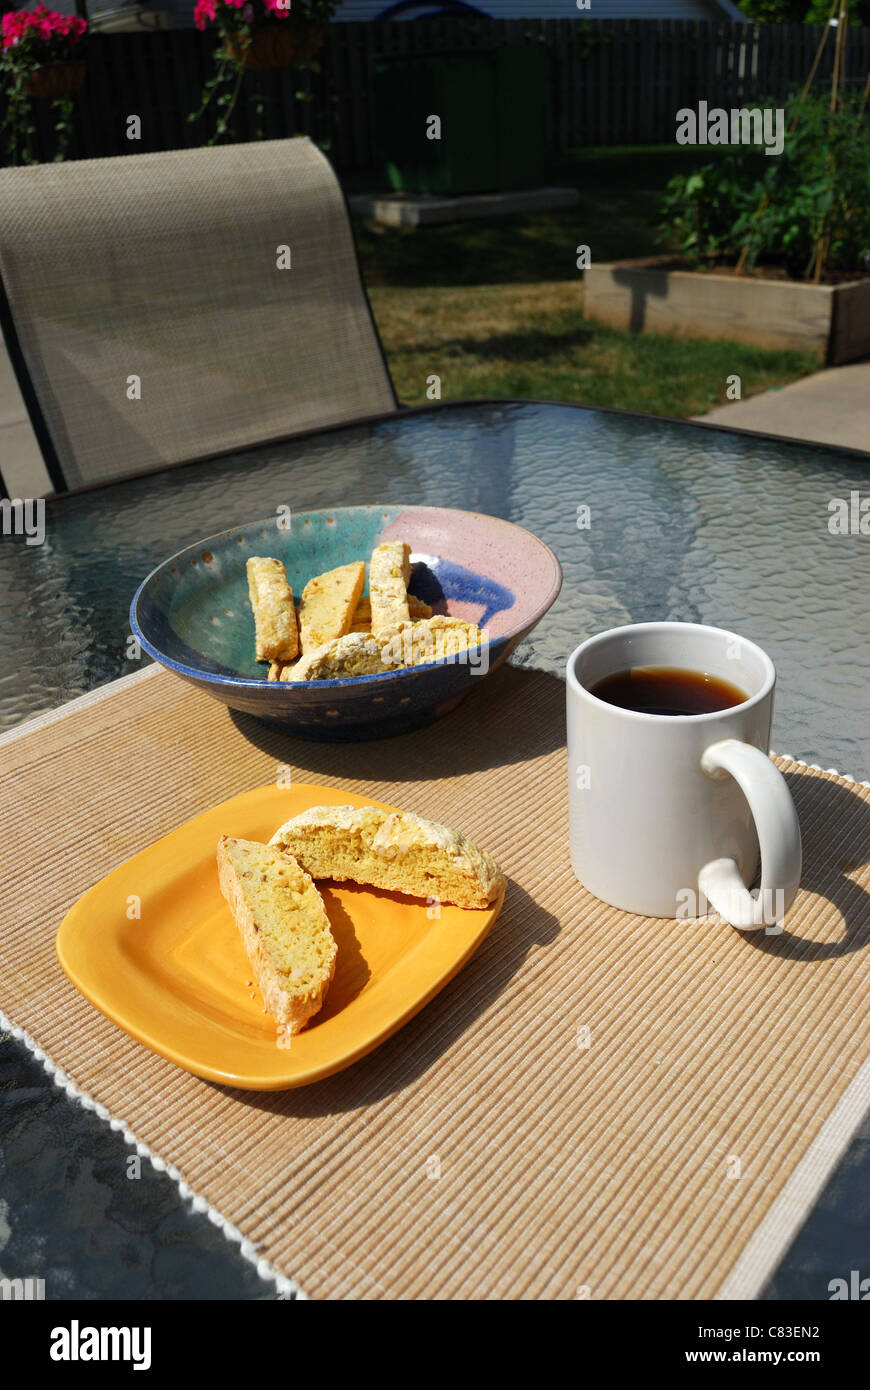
column 668, row 811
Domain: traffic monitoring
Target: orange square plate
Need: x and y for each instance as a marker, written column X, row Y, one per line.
column 175, row 977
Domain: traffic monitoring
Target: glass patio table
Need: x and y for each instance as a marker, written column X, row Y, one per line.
column 650, row 519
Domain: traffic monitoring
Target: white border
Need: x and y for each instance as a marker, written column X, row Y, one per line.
column 814, row 767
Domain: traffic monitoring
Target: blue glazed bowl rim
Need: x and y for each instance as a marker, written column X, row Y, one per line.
column 196, row 673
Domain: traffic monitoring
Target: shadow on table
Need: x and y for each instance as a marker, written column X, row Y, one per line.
column 831, row 816
column 420, row 1043
column 480, row 733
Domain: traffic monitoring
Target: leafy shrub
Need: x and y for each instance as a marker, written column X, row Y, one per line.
column 801, row 11
column 781, row 204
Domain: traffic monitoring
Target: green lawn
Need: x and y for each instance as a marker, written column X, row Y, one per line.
column 532, row 340
column 495, row 308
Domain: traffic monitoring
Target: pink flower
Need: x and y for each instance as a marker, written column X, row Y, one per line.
column 45, row 23
column 204, row 10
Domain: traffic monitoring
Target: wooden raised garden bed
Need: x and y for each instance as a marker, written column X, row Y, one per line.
column 831, row 320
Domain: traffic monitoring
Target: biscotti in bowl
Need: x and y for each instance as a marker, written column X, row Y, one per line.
column 460, row 576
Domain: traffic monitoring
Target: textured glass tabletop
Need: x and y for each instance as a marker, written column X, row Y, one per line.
column 684, row 523
column 650, row 519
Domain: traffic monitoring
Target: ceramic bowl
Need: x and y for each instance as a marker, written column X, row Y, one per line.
column 193, row 616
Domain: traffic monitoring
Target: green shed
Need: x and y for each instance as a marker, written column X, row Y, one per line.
column 490, row 104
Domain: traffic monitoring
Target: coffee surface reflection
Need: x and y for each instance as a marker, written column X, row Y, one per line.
column 667, row 690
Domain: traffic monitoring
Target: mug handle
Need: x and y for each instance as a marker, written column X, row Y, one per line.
column 779, row 839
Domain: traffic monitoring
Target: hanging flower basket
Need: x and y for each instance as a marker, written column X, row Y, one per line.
column 39, row 61
column 277, row 45
column 55, row 81
column 256, row 36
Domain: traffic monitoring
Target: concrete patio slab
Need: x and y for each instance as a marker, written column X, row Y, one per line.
column 829, row 407
column 427, row 209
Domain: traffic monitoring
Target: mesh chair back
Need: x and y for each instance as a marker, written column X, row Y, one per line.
column 166, row 307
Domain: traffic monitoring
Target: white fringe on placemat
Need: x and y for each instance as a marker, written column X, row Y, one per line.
column 287, row 1288
column 814, row 767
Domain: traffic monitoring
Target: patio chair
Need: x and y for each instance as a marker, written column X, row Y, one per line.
column 165, row 307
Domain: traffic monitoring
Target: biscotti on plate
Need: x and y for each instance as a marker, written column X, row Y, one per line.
column 271, row 597
column 391, row 849
column 284, row 927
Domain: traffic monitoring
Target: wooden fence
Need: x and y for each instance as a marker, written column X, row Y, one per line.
column 617, row 82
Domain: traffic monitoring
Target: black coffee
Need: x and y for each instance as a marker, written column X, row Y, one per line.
column 668, row 690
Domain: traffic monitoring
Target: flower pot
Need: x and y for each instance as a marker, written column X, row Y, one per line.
column 55, row 81
column 277, row 45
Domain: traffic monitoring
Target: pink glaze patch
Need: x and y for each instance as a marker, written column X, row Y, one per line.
column 470, row 612
column 492, row 548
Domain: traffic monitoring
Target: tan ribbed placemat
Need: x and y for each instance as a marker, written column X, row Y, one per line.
column 486, row 1150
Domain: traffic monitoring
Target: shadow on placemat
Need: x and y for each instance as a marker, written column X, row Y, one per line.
column 522, row 924
column 830, row 815
column 480, row 733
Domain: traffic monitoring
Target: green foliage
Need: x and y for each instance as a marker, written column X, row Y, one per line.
column 781, row 205
column 818, row 12
column 18, row 124
column 776, row 11
column 801, row 11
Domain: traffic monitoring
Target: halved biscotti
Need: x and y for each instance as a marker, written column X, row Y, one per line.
column 284, row 927
column 389, row 572
column 355, row 654
column 328, row 604
column 391, row 849
column 439, row 636
column 370, row 653
column 274, row 612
